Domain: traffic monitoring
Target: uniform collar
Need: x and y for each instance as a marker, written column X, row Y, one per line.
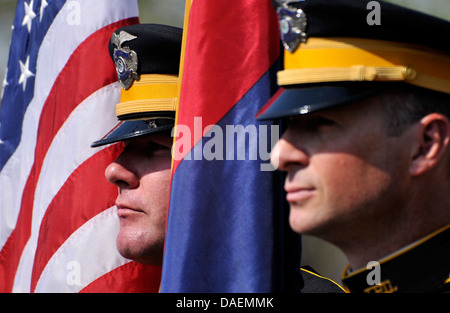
column 423, row 266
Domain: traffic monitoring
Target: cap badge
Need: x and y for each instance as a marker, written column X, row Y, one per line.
column 125, row 59
column 292, row 24
column 151, row 124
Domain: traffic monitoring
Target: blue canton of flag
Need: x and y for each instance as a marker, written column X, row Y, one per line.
column 28, row 31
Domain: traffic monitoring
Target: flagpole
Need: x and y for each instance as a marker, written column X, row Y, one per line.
column 187, row 10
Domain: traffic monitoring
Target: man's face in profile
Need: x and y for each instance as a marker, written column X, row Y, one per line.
column 343, row 171
column 142, row 173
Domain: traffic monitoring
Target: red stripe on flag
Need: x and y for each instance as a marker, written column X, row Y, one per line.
column 128, row 278
column 12, row 250
column 78, row 201
column 74, row 84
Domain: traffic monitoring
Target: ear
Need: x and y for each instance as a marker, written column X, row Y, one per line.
column 433, row 136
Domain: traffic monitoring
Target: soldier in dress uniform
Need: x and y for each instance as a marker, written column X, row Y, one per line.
column 147, row 58
column 365, row 94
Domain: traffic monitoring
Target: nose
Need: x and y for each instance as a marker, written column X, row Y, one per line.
column 120, row 174
column 287, row 153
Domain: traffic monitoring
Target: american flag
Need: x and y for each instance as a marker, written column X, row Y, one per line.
column 58, row 222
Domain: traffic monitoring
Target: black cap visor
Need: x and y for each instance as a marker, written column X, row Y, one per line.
column 307, row 98
column 127, row 130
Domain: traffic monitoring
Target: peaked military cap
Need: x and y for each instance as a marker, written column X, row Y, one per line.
column 343, row 51
column 147, row 58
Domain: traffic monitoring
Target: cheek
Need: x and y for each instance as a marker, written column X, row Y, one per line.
column 351, row 182
column 155, row 191
column 334, row 170
column 143, row 234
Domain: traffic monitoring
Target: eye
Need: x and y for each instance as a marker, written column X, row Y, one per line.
column 318, row 123
column 154, row 148
column 321, row 122
column 311, row 123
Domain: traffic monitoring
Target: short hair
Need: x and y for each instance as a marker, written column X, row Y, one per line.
column 406, row 105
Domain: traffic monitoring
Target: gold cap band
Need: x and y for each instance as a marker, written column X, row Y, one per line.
column 353, row 59
column 147, row 105
column 151, row 93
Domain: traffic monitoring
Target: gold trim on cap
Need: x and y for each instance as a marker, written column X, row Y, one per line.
column 151, row 93
column 353, row 59
column 147, row 105
column 352, row 73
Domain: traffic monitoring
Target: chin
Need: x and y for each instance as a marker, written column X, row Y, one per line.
column 140, row 249
column 301, row 220
column 307, row 222
column 302, row 227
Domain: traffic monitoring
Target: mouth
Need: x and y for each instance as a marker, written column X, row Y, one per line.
column 299, row 194
column 125, row 211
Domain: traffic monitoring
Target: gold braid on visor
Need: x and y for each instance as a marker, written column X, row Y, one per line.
column 352, row 59
column 151, row 93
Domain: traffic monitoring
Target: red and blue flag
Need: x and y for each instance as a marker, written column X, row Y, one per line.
column 226, row 227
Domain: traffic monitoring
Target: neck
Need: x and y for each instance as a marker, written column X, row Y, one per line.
column 394, row 272
column 388, row 234
column 379, row 247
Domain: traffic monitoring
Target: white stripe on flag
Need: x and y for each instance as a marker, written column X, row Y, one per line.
column 93, row 118
column 71, row 267
column 69, row 149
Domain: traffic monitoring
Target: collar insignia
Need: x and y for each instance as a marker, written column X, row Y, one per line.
column 421, row 267
column 125, row 59
column 292, row 24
